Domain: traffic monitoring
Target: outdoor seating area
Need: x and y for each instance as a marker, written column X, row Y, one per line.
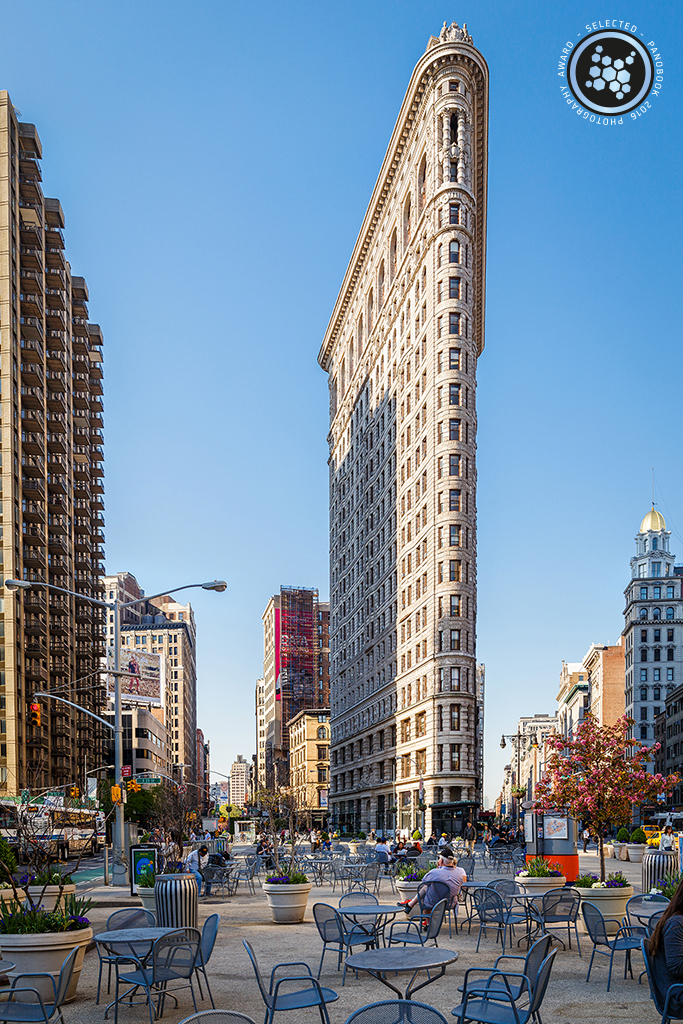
column 358, row 956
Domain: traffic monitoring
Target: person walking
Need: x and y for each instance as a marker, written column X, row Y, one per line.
column 667, row 840
column 470, row 837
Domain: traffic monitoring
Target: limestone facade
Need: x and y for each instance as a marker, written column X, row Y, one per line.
column 309, row 760
column 401, row 354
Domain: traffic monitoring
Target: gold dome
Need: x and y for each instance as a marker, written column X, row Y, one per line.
column 654, row 520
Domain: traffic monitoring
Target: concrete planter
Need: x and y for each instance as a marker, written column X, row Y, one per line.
column 539, row 886
column 7, row 895
column 46, row 952
column 287, row 902
column 149, row 902
column 48, row 896
column 406, row 891
column 635, row 852
column 610, row 903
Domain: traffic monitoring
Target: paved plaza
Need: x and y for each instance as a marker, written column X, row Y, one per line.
column 569, row 1000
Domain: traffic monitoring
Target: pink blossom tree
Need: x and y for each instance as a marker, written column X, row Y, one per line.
column 599, row 775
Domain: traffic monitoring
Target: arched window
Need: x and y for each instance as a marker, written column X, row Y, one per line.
column 380, row 286
column 454, row 252
column 669, row 613
column 655, row 543
column 422, row 185
column 406, row 221
column 643, row 613
column 322, row 733
column 643, row 693
column 657, row 613
column 393, row 256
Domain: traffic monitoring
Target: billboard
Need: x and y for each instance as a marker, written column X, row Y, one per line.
column 143, row 682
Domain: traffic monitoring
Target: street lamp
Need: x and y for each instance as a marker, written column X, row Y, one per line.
column 516, row 740
column 120, row 869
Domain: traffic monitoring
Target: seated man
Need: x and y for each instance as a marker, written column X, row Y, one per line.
column 195, row 863
column 382, row 852
column 446, row 872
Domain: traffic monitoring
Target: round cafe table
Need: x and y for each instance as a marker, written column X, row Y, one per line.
column 403, row 958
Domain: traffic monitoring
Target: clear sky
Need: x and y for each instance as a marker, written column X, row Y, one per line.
column 214, row 161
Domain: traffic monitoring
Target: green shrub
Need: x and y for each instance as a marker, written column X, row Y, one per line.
column 623, row 835
column 362, row 835
column 638, row 836
column 8, row 859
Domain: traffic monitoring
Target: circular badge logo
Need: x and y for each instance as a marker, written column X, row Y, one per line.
column 610, row 72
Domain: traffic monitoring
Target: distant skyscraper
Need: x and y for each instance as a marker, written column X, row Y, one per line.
column 52, row 481
column 652, row 626
column 239, row 781
column 295, row 674
column 401, row 352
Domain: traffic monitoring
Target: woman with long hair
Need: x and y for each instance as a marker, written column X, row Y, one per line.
column 666, row 949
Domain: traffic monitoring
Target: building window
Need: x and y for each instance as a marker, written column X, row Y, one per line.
column 657, row 593
column 643, row 653
column 454, row 394
column 643, row 693
column 455, row 679
column 669, row 613
column 454, row 323
column 453, row 287
column 656, row 569
column 454, row 252
column 454, row 465
column 455, row 718
column 455, row 535
column 657, row 614
column 405, row 730
column 455, row 757
column 643, row 732
column 643, row 613
column 454, row 571
column 656, row 674
column 670, row 636
column 643, row 714
column 670, row 593
column 452, row 86
column 454, row 359
column 454, row 435
column 454, row 208
column 669, row 654
column 421, row 724
column 669, row 675
column 455, row 636
column 656, row 693
column 643, row 593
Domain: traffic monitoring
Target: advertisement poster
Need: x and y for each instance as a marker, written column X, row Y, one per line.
column 555, row 827
column 143, row 681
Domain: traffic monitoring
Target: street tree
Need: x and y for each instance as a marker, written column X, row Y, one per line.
column 599, row 776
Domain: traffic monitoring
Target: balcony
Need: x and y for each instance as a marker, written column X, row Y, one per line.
column 56, row 318
column 30, row 189
column 34, row 534
column 55, row 257
column 33, row 556
column 31, row 327
column 35, row 647
column 35, row 601
column 56, row 423
column 58, row 646
column 33, row 487
column 56, row 297
column 32, row 398
column 31, row 234
column 53, row 238
column 58, row 524
column 31, row 351
column 31, row 374
column 56, row 401
column 31, row 304
column 96, row 386
column 59, row 626
column 57, row 544
column 56, row 381
column 28, row 163
column 56, row 361
column 57, row 339
column 31, row 257
column 79, row 326
column 56, row 483
column 56, row 278
column 34, row 625
column 35, row 513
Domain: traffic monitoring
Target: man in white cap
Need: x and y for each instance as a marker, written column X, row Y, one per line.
column 446, row 872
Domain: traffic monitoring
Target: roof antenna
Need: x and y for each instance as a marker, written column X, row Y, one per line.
column 653, row 486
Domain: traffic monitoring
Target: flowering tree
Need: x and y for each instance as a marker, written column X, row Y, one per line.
column 599, row 775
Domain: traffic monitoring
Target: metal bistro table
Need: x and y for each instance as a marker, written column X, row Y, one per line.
column 419, row 958
column 130, row 938
column 376, row 910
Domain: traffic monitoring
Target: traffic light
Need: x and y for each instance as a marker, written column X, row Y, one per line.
column 74, row 792
column 116, row 794
column 133, row 786
column 35, row 713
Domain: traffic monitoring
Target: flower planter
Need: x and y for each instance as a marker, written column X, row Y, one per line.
column 149, row 902
column 610, row 903
column 618, row 847
column 406, row 891
column 539, row 886
column 635, row 852
column 46, row 952
column 287, row 902
column 48, row 896
column 7, row 895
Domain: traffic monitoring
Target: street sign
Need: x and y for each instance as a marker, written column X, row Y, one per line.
column 148, row 780
column 126, row 771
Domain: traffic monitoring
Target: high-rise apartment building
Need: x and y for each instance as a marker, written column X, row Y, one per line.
column 164, row 627
column 203, row 776
column 239, row 781
column 52, row 480
column 296, row 676
column 401, row 353
column 652, row 626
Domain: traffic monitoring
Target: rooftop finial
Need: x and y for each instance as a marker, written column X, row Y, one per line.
column 451, row 34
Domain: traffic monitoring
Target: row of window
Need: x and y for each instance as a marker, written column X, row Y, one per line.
column 656, row 677
column 657, row 613
column 657, row 654
column 657, row 593
column 657, row 636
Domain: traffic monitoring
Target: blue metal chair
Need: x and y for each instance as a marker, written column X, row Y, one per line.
column 662, row 999
column 174, row 958
column 559, row 908
column 207, row 942
column 312, row 995
column 26, row 1010
column 396, row 1011
column 132, row 917
column 626, row 939
column 531, row 966
column 335, row 933
column 412, row 933
column 639, row 909
column 493, row 1000
column 491, row 910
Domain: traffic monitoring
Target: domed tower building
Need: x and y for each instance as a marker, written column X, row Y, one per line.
column 652, row 629
column 401, row 353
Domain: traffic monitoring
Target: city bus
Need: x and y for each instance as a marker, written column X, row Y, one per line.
column 64, row 831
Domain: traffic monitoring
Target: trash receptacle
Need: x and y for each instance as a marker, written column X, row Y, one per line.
column 177, row 901
column 656, row 864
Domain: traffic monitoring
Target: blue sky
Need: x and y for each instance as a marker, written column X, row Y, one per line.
column 214, row 161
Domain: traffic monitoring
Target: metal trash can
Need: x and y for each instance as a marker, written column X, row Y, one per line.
column 177, row 901
column 656, row 864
